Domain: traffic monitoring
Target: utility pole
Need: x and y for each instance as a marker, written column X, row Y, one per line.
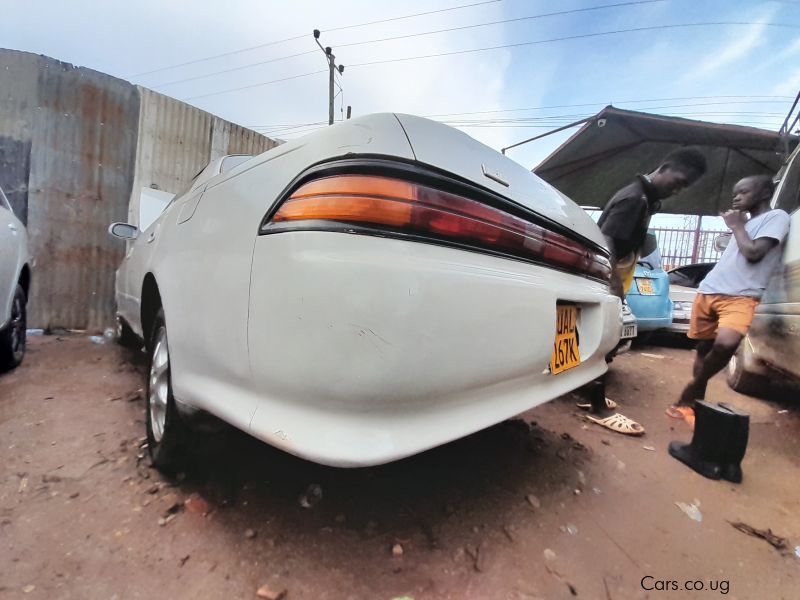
column 332, row 68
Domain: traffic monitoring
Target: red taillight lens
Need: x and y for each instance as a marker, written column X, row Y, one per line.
column 413, row 208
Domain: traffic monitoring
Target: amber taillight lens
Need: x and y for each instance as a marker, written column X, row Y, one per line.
column 386, row 203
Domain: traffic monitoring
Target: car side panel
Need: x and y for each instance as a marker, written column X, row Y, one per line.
column 775, row 332
column 138, row 261
column 13, row 255
column 203, row 264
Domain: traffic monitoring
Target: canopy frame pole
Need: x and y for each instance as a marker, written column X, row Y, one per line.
column 541, row 135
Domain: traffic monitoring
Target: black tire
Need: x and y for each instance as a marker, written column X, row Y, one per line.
column 125, row 336
column 743, row 382
column 12, row 338
column 167, row 436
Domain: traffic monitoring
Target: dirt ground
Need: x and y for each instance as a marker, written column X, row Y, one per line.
column 545, row 507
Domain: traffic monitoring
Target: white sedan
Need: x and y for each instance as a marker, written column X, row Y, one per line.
column 364, row 293
column 15, row 280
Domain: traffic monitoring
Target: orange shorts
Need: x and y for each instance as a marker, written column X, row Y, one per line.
column 711, row 312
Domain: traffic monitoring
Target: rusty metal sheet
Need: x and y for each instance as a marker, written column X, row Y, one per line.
column 76, row 147
column 81, row 127
column 176, row 141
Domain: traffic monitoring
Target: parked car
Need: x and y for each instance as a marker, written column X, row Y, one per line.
column 364, row 293
column 770, row 353
column 15, row 279
column 648, row 295
column 629, row 329
column 683, row 284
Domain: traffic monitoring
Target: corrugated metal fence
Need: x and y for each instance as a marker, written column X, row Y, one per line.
column 75, row 147
column 177, row 140
column 72, row 139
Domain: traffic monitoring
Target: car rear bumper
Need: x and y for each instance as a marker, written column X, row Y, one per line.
column 365, row 349
column 645, row 324
column 679, row 325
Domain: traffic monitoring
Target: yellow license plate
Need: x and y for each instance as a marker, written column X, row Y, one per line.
column 566, row 353
column 645, row 286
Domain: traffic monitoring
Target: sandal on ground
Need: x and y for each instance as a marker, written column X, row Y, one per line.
column 619, row 423
column 610, row 404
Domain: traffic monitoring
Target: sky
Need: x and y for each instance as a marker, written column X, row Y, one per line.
column 529, row 82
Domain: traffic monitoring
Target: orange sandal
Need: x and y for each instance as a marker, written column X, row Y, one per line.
column 684, row 413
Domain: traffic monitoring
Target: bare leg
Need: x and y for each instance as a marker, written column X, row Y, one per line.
column 599, row 412
column 702, row 350
column 697, row 392
column 710, row 360
column 597, row 396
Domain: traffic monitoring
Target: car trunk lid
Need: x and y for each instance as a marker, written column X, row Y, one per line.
column 445, row 148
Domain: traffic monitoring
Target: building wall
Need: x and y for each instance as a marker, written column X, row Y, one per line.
column 76, row 145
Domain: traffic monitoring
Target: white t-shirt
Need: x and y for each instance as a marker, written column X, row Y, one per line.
column 734, row 275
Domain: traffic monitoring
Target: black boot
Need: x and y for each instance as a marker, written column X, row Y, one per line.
column 736, row 446
column 712, row 429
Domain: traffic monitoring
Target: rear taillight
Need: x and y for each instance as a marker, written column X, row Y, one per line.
column 391, row 204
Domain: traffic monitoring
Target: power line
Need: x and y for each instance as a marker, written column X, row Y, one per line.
column 231, row 70
column 430, row 12
column 231, row 53
column 255, row 85
column 412, row 35
column 341, row 99
column 277, row 128
column 562, row 120
column 768, row 100
column 573, row 37
column 296, row 134
column 302, row 35
column 487, row 24
column 519, row 44
column 771, row 99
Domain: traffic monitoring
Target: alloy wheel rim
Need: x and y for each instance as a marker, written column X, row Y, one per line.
column 159, row 385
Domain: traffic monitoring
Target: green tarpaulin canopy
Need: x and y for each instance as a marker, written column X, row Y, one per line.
column 614, row 145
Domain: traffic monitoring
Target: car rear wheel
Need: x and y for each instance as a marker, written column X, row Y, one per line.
column 167, row 436
column 12, row 338
column 743, row 382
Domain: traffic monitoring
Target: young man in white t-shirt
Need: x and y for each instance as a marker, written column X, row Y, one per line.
column 728, row 296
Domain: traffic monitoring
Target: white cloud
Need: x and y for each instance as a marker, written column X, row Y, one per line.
column 153, row 34
column 736, row 49
column 790, row 51
column 789, row 86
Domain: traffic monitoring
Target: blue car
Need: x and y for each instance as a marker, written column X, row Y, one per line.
column 648, row 295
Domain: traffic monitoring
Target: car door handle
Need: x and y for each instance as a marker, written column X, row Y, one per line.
column 12, row 227
column 151, row 237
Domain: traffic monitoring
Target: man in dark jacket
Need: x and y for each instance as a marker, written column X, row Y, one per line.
column 626, row 217
column 624, row 224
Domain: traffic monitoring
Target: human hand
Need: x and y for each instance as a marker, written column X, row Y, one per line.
column 734, row 218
